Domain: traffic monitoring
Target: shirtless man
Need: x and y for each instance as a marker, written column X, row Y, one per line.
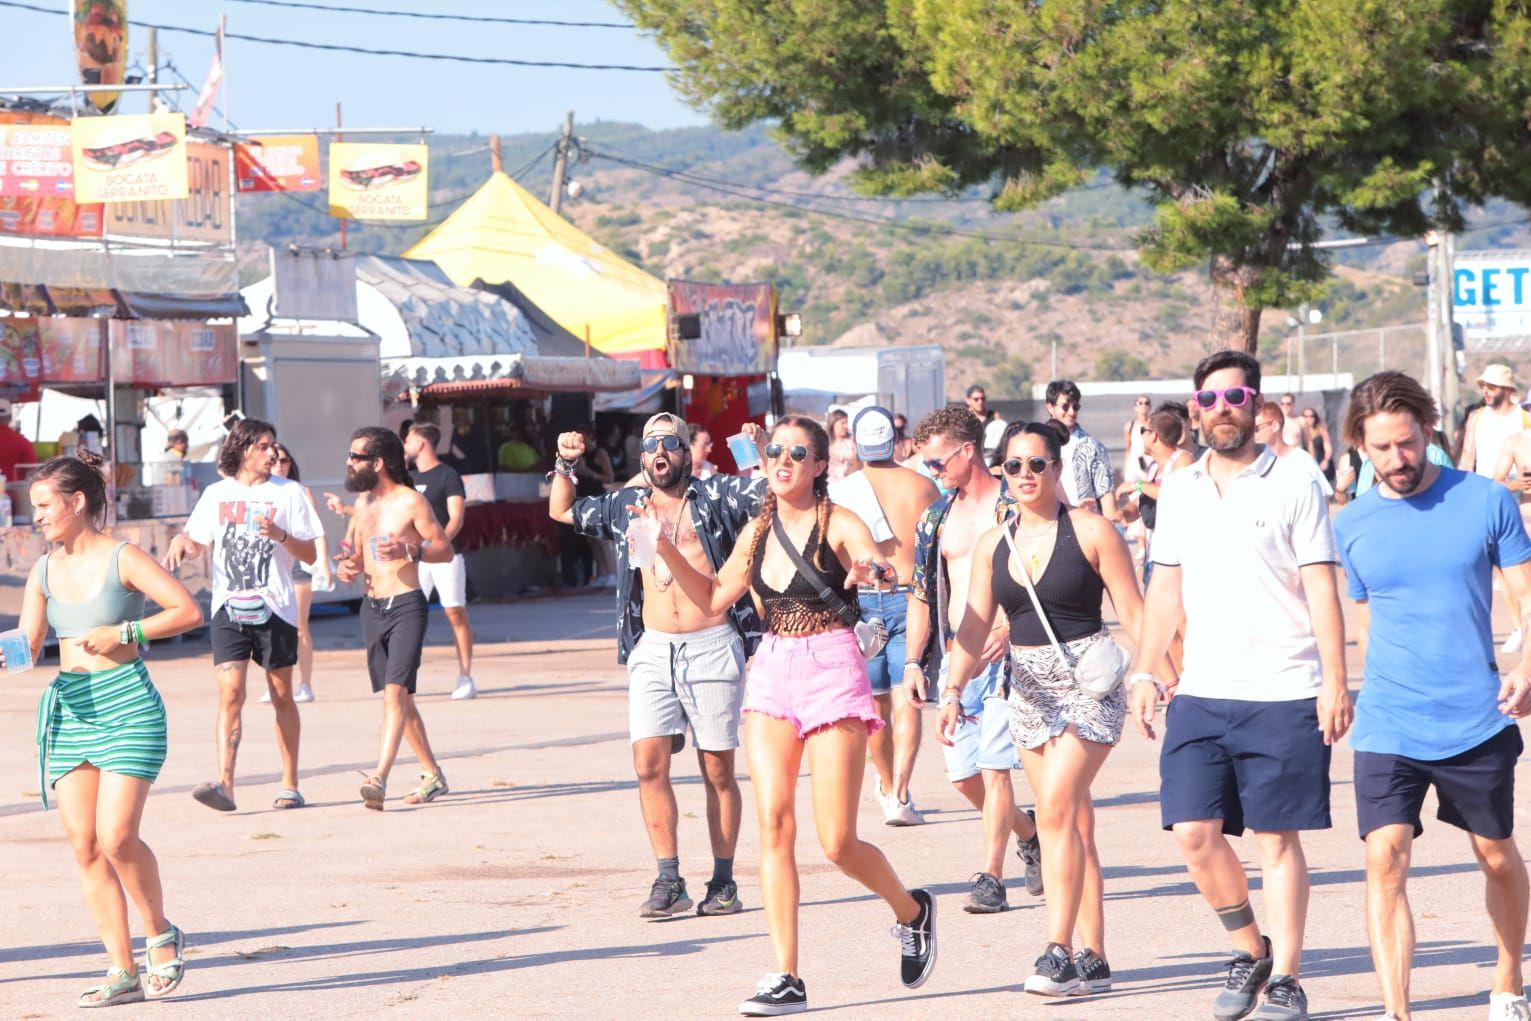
column 981, row 756
column 890, row 500
column 392, row 530
column 685, row 666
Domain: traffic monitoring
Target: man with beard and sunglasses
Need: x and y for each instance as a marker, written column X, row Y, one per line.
column 393, row 530
column 685, row 665
column 1245, row 554
column 1434, row 711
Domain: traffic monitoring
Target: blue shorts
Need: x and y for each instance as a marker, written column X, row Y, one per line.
column 1475, row 788
column 1258, row 764
column 983, row 743
column 887, row 667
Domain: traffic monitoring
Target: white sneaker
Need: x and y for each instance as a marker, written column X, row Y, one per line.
column 465, row 687
column 267, row 696
column 1512, row 644
column 896, row 812
column 1508, row 1007
column 303, row 694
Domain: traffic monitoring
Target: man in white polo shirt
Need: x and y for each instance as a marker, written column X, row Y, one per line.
column 1244, row 549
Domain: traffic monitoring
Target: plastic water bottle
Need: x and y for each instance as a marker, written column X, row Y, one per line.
column 5, row 505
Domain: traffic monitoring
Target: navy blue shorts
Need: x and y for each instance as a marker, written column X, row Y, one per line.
column 1263, row 765
column 1475, row 788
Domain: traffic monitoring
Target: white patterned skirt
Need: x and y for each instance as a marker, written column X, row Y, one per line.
column 1045, row 699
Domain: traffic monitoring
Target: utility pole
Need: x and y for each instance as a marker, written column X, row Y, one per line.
column 1433, row 285
column 1450, row 384
column 561, row 163
column 151, row 75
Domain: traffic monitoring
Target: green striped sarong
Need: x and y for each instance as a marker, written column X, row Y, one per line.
column 114, row 719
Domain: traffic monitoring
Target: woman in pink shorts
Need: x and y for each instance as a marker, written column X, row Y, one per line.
column 807, row 688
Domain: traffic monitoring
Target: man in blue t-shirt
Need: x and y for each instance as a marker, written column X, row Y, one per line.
column 1419, row 551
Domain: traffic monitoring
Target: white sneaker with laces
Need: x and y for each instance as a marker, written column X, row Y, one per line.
column 896, row 812
column 266, row 696
column 1509, row 1007
column 1512, row 644
column 303, row 694
column 465, row 688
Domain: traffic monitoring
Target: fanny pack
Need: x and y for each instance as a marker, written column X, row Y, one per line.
column 247, row 608
column 870, row 638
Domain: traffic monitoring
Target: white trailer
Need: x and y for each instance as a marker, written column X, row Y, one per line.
column 909, row 380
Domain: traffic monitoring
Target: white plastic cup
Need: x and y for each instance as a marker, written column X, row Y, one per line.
column 643, row 542
column 744, row 451
column 372, row 544
column 17, row 650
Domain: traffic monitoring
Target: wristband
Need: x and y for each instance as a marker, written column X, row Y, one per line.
column 913, row 665
column 1139, row 485
column 1140, row 677
column 125, row 633
column 285, row 536
column 954, row 691
column 138, row 632
column 564, row 466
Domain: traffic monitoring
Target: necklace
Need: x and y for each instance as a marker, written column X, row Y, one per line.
column 1041, row 531
column 671, row 531
column 1034, row 555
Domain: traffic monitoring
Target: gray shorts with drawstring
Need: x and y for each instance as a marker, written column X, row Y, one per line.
column 695, row 679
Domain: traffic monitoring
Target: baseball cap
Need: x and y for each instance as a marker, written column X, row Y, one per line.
column 675, row 422
column 873, row 433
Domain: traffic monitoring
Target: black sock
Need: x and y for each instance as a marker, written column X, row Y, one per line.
column 669, row 868
column 722, row 870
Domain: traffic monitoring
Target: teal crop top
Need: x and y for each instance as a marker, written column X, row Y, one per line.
column 112, row 603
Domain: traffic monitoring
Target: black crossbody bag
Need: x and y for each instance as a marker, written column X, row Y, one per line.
column 869, row 637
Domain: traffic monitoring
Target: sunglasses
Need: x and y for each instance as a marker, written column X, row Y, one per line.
column 284, row 460
column 1233, row 396
column 937, row 465
column 1035, row 465
column 652, row 443
column 798, row 452
column 352, row 455
column 1068, row 406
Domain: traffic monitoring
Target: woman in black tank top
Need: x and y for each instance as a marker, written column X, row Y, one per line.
column 807, row 689
column 1062, row 734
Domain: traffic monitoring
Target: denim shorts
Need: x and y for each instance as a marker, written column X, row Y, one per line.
column 886, row 669
column 985, row 742
column 811, row 681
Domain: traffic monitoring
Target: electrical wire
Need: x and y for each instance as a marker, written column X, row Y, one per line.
column 483, row 19
column 341, row 48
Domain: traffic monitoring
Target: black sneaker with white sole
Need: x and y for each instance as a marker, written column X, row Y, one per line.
column 1054, row 974
column 1094, row 973
column 987, row 897
column 777, row 994
column 721, row 899
column 1241, row 989
column 667, row 897
column 1030, row 853
column 917, row 941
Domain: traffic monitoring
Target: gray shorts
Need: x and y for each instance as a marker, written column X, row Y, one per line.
column 696, row 679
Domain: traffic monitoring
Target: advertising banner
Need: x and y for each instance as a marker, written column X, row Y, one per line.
column 101, row 46
column 738, row 328
column 370, row 181
column 20, row 364
column 1491, row 297
column 278, row 163
column 49, row 217
column 179, row 353
column 35, row 160
column 134, row 158
column 70, row 350
column 205, row 214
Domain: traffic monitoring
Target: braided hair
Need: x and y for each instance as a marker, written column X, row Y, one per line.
column 818, row 441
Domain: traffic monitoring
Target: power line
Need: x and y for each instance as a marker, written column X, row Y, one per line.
column 484, row 19
column 341, row 48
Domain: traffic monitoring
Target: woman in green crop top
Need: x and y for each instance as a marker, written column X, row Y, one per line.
column 101, row 724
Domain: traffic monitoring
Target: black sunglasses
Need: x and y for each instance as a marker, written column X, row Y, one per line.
column 669, row 441
column 1037, row 465
column 797, row 450
column 352, row 455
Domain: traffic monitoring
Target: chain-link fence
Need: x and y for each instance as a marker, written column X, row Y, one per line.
column 1314, row 360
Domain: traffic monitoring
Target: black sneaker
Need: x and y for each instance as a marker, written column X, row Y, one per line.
column 1054, row 973
column 987, row 897
column 1094, row 973
column 1030, row 853
column 1284, row 1001
column 1241, row 990
column 667, row 897
column 721, row 899
column 777, row 994
column 917, row 941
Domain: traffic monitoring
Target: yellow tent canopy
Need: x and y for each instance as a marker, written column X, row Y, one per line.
column 502, row 234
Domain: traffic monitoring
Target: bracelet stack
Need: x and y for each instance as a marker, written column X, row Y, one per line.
column 131, row 632
column 565, row 467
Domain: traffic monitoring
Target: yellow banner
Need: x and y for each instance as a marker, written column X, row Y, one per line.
column 134, row 158
column 372, row 181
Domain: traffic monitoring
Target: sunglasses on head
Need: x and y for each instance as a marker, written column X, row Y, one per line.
column 669, row 441
column 798, row 452
column 1036, row 465
column 1233, row 396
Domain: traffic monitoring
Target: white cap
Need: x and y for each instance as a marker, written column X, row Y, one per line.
column 873, row 433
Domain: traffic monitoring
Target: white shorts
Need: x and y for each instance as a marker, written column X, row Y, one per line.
column 451, row 578
column 695, row 678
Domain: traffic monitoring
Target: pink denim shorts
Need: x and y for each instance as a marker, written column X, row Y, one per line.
column 811, row 681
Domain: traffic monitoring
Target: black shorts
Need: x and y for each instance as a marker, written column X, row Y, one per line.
column 394, row 630
column 1476, row 788
column 1258, row 764
column 273, row 645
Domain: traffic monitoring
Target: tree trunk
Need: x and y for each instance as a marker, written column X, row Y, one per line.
column 1234, row 324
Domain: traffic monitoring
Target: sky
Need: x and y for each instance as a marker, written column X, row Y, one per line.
column 283, row 87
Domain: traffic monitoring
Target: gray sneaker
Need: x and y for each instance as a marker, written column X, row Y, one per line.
column 1284, row 1001
column 987, row 897
column 1030, row 853
column 667, row 897
column 1241, row 990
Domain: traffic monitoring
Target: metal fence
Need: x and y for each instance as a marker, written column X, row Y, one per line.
column 1358, row 353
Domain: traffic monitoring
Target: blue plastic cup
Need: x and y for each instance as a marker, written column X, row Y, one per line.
column 16, row 649
column 744, row 451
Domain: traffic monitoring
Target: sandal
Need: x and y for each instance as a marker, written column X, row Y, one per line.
column 213, row 796
column 169, row 972
column 289, row 798
column 373, row 792
column 431, row 787
column 119, row 988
